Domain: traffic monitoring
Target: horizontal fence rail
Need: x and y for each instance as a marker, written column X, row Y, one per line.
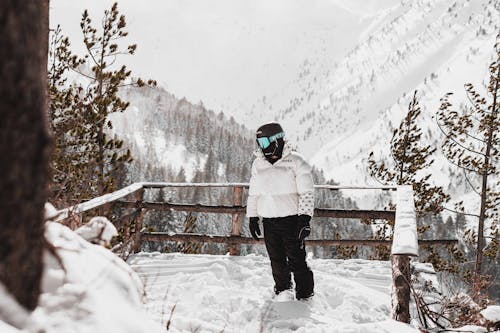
column 193, row 237
column 318, row 212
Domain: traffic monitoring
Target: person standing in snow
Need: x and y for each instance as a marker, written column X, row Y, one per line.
column 282, row 194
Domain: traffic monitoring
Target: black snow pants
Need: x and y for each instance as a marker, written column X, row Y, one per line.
column 288, row 255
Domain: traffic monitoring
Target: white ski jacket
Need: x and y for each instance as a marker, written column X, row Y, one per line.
column 280, row 189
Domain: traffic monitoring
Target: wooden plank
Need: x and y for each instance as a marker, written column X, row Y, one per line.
column 237, row 221
column 354, row 187
column 166, row 184
column 186, row 207
column 355, row 214
column 246, row 185
column 139, row 196
column 181, row 237
column 94, row 203
column 318, row 212
column 161, row 236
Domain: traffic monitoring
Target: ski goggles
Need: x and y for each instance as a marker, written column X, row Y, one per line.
column 265, row 141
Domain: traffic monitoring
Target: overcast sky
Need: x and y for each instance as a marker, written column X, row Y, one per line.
column 227, row 53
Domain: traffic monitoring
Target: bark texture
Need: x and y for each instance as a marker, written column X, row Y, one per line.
column 24, row 145
column 401, row 288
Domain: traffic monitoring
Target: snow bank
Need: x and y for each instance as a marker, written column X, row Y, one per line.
column 95, row 291
column 210, row 293
column 6, row 328
column 492, row 313
column 11, row 311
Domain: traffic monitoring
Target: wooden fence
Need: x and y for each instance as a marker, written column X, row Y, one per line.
column 403, row 246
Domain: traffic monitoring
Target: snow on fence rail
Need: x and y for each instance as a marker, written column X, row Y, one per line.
column 404, row 243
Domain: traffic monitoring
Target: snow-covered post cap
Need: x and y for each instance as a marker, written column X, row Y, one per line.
column 405, row 241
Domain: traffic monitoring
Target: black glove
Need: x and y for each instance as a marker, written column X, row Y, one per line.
column 303, row 227
column 254, row 227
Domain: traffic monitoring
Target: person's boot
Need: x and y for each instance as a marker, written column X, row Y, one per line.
column 279, row 289
column 304, row 297
column 304, row 285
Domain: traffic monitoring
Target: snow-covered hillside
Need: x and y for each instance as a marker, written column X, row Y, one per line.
column 173, row 139
column 434, row 47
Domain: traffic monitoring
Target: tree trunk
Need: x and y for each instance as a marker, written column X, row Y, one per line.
column 484, row 180
column 24, row 145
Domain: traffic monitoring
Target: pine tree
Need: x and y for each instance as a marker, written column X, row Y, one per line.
column 102, row 98
column 409, row 159
column 69, row 159
column 80, row 115
column 472, row 144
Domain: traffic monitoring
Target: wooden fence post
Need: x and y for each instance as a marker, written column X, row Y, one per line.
column 400, row 293
column 139, row 197
column 404, row 245
column 235, row 248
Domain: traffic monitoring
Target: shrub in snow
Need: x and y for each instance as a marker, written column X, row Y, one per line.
column 464, row 310
column 456, row 311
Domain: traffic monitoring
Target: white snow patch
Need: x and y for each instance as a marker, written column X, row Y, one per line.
column 234, row 294
column 492, row 313
column 469, row 329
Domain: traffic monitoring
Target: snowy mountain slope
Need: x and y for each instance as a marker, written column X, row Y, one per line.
column 143, row 126
column 169, row 136
column 433, row 47
column 234, row 294
column 455, row 48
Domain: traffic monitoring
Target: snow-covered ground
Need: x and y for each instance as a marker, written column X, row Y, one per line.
column 234, row 294
column 98, row 292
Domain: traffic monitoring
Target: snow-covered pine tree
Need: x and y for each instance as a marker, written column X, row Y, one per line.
column 472, row 144
column 409, row 160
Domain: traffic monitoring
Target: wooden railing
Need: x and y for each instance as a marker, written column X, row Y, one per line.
column 404, row 244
